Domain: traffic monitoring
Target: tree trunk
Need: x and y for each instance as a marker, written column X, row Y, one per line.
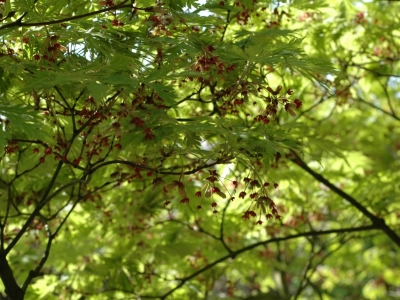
column 13, row 291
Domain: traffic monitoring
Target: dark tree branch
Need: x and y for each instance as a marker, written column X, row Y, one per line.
column 190, row 227
column 71, row 109
column 226, row 25
column 12, row 289
column 384, row 87
column 18, row 175
column 30, row 141
column 3, row 224
column 19, row 23
column 375, row 72
column 132, row 164
column 378, row 108
column 35, row 273
column 221, row 229
column 51, row 237
column 307, row 279
column 378, row 222
column 35, row 212
column 44, row 200
column 255, row 245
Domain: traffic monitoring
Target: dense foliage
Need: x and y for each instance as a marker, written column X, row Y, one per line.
column 182, row 150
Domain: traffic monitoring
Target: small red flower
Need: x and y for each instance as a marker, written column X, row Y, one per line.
column 269, row 216
column 178, row 184
column 254, row 183
column 41, row 160
column 275, row 185
column 137, row 121
column 238, row 102
column 199, row 207
column 166, row 203
column 254, row 195
column 230, row 68
column 259, row 222
column 36, row 150
column 242, row 195
column 298, row 103
column 213, row 204
column 185, row 200
column 212, row 179
column 148, row 134
column 198, row 194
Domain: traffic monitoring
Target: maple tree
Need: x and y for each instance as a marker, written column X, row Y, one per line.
column 183, row 150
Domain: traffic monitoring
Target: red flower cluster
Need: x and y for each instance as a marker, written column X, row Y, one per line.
column 148, row 134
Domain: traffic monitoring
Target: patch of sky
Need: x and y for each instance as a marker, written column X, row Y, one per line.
column 3, row 123
column 330, row 77
column 203, row 13
column 393, row 82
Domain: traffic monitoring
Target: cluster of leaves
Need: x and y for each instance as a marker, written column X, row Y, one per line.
column 122, row 122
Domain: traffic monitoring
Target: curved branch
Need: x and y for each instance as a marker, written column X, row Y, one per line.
column 389, row 101
column 19, row 23
column 378, row 74
column 227, row 24
column 378, row 108
column 378, row 222
column 33, row 215
column 307, row 279
column 255, row 245
column 221, row 230
column 132, row 164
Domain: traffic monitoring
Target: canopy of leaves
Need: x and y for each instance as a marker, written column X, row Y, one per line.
column 199, row 149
